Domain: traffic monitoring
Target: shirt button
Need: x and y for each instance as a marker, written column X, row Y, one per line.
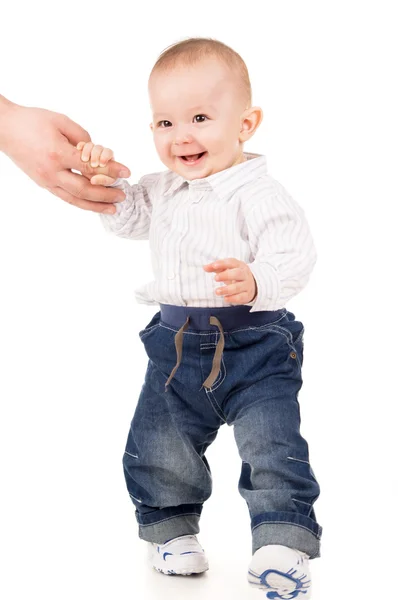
column 171, row 276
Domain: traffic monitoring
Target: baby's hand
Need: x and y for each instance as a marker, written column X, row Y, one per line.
column 98, row 156
column 240, row 285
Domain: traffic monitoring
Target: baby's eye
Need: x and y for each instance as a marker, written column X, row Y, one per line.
column 166, row 124
column 200, row 117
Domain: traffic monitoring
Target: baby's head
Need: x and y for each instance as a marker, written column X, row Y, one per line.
column 200, row 97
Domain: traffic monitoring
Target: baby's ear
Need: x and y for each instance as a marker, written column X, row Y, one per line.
column 151, row 126
column 250, row 121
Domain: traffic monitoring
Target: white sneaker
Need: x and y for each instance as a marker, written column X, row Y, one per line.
column 284, row 573
column 181, row 556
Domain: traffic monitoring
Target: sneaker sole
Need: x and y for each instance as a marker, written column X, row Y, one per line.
column 174, row 568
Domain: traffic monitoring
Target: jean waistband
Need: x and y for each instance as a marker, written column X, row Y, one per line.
column 231, row 317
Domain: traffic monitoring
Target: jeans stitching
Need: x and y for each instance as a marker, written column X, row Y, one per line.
column 145, row 331
column 132, row 455
column 298, row 460
column 216, row 408
column 284, row 332
column 231, row 331
column 220, row 375
column 215, row 387
column 289, row 340
column 168, row 519
column 134, row 498
column 287, row 523
column 266, row 325
column 211, row 345
column 302, row 502
column 310, row 506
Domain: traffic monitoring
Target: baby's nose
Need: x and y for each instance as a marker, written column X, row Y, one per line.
column 182, row 135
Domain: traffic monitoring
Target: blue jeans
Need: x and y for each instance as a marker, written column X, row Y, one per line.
column 255, row 389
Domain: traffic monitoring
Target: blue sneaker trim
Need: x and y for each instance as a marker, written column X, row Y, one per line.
column 301, row 583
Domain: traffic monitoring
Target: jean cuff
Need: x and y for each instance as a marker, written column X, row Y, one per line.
column 169, row 528
column 287, row 529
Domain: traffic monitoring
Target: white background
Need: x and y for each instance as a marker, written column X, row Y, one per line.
column 72, row 364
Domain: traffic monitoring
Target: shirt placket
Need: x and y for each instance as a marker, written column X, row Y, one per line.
column 175, row 273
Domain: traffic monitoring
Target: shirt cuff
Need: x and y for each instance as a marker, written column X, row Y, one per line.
column 268, row 287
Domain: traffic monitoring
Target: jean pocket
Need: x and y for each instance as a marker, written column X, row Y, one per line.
column 152, row 325
column 292, row 329
column 293, row 333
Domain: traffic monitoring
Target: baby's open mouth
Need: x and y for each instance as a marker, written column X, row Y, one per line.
column 192, row 158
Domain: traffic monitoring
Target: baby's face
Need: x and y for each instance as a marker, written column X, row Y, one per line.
column 197, row 113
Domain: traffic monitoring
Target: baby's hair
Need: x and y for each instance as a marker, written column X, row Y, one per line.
column 192, row 50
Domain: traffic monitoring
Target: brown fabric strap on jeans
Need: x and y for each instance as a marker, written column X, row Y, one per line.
column 217, row 355
column 178, row 340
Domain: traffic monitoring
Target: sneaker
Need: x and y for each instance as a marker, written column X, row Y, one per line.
column 282, row 572
column 180, row 556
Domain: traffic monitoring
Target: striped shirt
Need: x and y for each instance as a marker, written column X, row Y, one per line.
column 240, row 212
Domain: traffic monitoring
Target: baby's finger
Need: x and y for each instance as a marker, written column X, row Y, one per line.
column 80, row 145
column 86, row 152
column 231, row 290
column 95, row 155
column 102, row 180
column 228, row 274
column 106, row 156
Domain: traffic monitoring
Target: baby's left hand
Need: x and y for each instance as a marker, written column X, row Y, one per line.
column 243, row 287
column 97, row 156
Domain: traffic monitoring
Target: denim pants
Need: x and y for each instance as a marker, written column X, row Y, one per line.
column 254, row 387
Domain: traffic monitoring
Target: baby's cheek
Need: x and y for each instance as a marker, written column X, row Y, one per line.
column 161, row 148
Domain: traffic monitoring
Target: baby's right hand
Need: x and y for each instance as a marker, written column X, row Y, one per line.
column 97, row 156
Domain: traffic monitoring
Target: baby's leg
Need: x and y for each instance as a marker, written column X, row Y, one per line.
column 276, row 480
column 167, row 474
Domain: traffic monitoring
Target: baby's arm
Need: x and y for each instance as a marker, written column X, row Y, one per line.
column 282, row 246
column 133, row 216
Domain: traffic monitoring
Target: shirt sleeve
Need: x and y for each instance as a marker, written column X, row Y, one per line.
column 133, row 216
column 284, row 251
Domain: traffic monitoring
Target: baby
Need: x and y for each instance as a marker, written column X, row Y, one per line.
column 223, row 348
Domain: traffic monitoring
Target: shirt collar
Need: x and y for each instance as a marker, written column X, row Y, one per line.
column 224, row 182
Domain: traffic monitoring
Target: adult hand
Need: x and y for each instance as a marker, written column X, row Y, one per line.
column 43, row 144
column 242, row 286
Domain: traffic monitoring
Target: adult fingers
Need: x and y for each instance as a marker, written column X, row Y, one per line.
column 81, row 188
column 81, row 203
column 102, row 180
